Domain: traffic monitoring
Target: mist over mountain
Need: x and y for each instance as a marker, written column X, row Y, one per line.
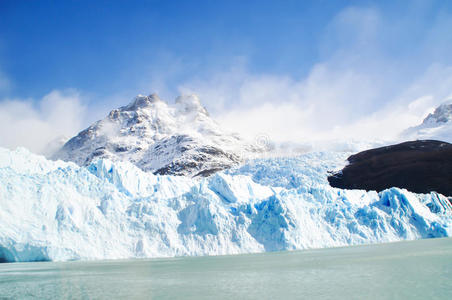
column 177, row 139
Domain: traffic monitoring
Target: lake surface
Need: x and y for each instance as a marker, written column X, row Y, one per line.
column 415, row 270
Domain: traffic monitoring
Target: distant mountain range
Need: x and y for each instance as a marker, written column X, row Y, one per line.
column 182, row 139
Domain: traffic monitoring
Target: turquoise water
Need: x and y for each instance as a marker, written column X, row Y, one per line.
column 415, row 270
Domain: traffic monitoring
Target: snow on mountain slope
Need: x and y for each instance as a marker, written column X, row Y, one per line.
column 436, row 126
column 60, row 211
column 179, row 139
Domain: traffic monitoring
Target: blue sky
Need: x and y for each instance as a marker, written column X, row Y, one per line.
column 108, row 46
column 341, row 62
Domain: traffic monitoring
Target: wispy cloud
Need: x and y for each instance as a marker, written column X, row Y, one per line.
column 35, row 124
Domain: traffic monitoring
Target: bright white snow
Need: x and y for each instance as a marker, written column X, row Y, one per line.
column 59, row 211
column 436, row 126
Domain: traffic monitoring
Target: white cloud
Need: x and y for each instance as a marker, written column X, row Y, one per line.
column 359, row 88
column 35, row 124
column 329, row 104
column 356, row 91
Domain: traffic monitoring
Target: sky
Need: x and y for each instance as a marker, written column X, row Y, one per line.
column 291, row 70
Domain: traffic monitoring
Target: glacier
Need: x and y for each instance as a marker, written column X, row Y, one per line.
column 59, row 211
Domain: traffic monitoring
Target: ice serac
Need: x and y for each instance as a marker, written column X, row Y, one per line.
column 178, row 139
column 437, row 125
column 53, row 210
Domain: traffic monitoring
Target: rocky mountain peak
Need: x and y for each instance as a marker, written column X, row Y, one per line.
column 141, row 101
column 177, row 139
column 442, row 114
column 436, row 126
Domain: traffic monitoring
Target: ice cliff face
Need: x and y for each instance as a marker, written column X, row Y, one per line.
column 437, row 125
column 179, row 139
column 60, row 211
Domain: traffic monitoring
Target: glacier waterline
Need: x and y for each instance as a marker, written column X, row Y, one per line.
column 402, row 270
column 60, row 211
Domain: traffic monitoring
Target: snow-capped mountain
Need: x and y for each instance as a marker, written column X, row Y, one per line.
column 437, row 125
column 178, row 139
